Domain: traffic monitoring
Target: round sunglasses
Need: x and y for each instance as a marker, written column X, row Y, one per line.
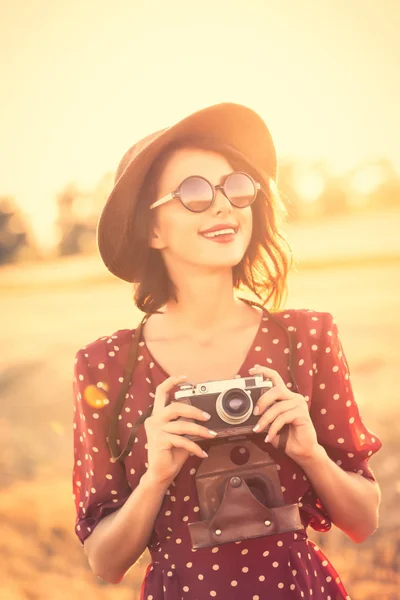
column 197, row 194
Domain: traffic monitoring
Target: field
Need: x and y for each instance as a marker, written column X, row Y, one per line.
column 45, row 319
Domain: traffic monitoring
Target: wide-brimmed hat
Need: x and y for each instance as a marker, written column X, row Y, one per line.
column 234, row 124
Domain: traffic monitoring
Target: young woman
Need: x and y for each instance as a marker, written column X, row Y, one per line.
column 194, row 222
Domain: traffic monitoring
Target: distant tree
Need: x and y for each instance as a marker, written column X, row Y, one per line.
column 78, row 212
column 286, row 185
column 386, row 195
column 15, row 234
column 375, row 184
column 334, row 199
column 75, row 226
column 387, row 192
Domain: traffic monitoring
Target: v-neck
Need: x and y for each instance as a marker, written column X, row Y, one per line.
column 241, row 370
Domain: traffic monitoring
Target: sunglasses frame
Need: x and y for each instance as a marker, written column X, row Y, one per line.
column 176, row 193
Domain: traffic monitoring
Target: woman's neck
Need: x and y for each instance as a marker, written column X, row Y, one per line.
column 206, row 305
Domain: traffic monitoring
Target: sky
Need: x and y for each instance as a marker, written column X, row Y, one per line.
column 83, row 80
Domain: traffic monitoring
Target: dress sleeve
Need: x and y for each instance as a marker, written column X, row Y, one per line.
column 334, row 412
column 99, row 486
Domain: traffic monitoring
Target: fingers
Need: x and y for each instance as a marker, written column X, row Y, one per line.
column 267, row 372
column 176, row 418
column 278, row 406
column 162, row 390
column 287, row 417
column 279, row 391
column 183, row 427
column 267, row 399
column 178, row 441
column 273, row 412
column 179, row 409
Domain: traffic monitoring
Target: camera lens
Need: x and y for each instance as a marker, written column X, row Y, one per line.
column 234, row 406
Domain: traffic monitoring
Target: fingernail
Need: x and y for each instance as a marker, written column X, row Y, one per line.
column 211, row 432
column 182, row 376
column 256, row 411
column 205, row 453
column 206, row 415
column 256, row 427
column 266, row 440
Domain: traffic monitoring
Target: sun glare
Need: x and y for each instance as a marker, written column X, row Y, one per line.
column 367, row 179
column 75, row 108
column 309, row 185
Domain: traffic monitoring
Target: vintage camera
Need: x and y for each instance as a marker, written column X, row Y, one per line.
column 230, row 403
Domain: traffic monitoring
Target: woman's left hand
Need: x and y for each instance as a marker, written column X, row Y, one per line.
column 289, row 409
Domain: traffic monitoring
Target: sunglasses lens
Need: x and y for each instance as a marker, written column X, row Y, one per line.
column 240, row 189
column 196, row 193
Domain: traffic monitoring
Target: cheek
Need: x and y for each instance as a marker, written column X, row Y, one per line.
column 247, row 223
column 177, row 226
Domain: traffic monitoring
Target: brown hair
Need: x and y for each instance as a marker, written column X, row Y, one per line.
column 265, row 265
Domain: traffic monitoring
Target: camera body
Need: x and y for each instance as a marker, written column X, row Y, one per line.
column 230, row 402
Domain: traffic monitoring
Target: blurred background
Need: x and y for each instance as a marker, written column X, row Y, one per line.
column 81, row 83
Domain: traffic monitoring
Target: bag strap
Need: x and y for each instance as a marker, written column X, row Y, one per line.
column 128, row 371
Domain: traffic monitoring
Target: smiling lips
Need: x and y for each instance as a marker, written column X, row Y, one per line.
column 213, row 234
column 225, row 231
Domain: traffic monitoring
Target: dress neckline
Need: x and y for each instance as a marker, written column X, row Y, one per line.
column 160, row 368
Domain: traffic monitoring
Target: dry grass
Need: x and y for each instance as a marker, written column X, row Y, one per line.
column 41, row 559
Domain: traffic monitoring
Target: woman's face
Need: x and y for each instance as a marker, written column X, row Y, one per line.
column 179, row 233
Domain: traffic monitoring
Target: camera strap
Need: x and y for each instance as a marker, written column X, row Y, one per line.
column 128, row 371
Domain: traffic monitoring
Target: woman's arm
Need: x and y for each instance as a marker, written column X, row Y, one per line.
column 120, row 538
column 351, row 500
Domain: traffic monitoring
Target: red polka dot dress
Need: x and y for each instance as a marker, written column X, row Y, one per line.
column 280, row 566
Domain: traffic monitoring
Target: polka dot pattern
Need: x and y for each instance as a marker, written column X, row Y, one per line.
column 289, row 564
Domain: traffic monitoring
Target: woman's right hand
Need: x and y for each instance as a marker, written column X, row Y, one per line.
column 167, row 448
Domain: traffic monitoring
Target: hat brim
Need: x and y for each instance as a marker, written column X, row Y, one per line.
column 235, row 124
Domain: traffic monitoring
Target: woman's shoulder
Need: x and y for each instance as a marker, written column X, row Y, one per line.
column 102, row 349
column 305, row 321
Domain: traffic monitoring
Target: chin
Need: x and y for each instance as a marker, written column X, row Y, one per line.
column 229, row 262
column 215, row 257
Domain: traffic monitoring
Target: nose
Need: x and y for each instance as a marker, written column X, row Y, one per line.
column 221, row 204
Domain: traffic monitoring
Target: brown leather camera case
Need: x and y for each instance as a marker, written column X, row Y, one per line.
column 229, row 510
